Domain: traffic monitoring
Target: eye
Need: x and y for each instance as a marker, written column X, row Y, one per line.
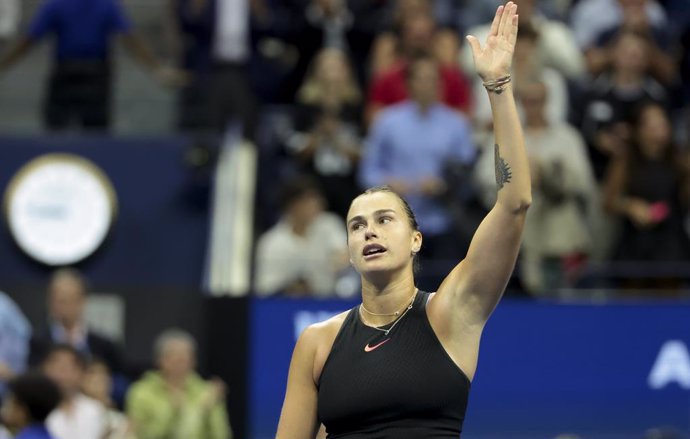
column 356, row 226
column 385, row 220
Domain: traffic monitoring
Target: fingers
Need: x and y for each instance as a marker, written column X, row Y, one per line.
column 474, row 45
column 506, row 18
column 513, row 30
column 497, row 20
column 510, row 21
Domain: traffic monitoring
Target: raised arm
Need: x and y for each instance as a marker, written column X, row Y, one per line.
column 477, row 283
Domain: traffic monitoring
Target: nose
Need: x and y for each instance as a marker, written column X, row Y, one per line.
column 370, row 233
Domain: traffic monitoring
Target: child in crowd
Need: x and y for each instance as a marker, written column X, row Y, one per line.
column 29, row 401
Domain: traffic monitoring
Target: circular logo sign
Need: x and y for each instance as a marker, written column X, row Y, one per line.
column 60, row 208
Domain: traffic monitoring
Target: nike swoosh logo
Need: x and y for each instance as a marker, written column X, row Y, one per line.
column 368, row 348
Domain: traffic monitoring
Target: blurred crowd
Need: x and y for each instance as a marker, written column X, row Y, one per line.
column 66, row 381
column 383, row 92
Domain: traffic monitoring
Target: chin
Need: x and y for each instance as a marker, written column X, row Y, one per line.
column 374, row 268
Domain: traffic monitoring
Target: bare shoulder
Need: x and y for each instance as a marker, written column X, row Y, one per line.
column 323, row 334
column 316, row 341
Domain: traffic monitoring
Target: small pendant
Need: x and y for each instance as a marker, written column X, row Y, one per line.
column 387, row 332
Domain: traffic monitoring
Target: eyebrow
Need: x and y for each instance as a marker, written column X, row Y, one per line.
column 378, row 212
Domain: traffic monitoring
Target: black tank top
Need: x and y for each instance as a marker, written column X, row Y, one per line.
column 403, row 385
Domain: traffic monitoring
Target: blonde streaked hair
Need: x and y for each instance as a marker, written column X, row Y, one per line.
column 311, row 91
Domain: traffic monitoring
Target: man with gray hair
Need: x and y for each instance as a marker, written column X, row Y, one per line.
column 174, row 402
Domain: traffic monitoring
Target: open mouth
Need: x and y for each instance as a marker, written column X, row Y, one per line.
column 372, row 250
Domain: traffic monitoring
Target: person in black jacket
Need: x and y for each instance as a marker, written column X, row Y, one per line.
column 67, row 294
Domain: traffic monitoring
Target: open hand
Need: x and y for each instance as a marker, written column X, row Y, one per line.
column 215, row 393
column 494, row 60
column 640, row 213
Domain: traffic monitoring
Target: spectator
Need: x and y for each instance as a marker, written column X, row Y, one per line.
column 394, row 43
column 648, row 188
column 589, row 18
column 215, row 39
column 15, row 334
column 77, row 416
column 565, row 201
column 304, row 253
column 390, row 45
column 327, row 141
column 98, row 384
column 79, row 89
column 410, row 147
column 67, row 295
column 556, row 46
column 661, row 44
column 174, row 402
column 31, row 398
column 417, row 38
column 605, row 112
column 348, row 25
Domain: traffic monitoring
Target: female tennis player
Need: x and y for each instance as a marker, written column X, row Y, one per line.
column 399, row 365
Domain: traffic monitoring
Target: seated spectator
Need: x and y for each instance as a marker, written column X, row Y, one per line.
column 648, row 187
column 409, row 149
column 661, row 44
column 605, row 111
column 303, row 254
column 174, row 402
column 565, row 201
column 31, row 398
column 80, row 85
column 389, row 45
column 15, row 333
column 327, row 141
column 589, row 18
column 98, row 384
column 417, row 38
column 556, row 47
column 67, row 294
column 77, row 416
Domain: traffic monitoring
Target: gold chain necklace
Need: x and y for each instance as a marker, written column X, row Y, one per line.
column 385, row 331
column 396, row 313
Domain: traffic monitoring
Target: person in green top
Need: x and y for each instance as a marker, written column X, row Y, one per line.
column 175, row 402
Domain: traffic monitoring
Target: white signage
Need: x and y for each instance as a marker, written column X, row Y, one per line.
column 60, row 208
column 672, row 366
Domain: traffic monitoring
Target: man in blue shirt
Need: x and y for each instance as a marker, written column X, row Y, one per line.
column 15, row 333
column 31, row 398
column 410, row 148
column 80, row 85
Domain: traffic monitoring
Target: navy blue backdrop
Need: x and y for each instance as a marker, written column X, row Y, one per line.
column 159, row 237
column 544, row 369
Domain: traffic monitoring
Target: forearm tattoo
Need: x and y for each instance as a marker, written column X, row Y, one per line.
column 503, row 173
